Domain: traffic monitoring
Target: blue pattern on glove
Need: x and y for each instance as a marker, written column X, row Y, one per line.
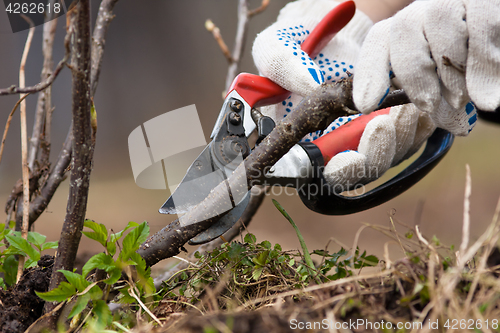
column 292, row 38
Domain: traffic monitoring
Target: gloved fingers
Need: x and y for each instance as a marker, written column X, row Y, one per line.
column 277, row 54
column 378, row 144
column 371, row 82
column 405, row 119
column 335, row 124
column 457, row 121
column 411, row 59
column 424, row 130
column 345, row 170
column 445, row 29
column 483, row 62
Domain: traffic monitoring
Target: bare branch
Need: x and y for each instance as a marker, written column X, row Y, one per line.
column 260, row 9
column 211, row 27
column 56, row 176
column 24, row 143
column 82, row 149
column 7, row 124
column 104, row 18
column 37, row 87
column 239, row 43
column 41, row 126
column 314, row 112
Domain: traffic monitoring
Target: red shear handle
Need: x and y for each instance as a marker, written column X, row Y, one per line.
column 258, row 91
column 346, row 137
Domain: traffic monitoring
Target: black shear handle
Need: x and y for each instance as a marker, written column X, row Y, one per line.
column 320, row 197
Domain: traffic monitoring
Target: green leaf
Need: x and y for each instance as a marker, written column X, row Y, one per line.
column 250, row 238
column 261, row 258
column 116, row 236
column 134, row 239
column 80, row 305
column 370, row 260
column 322, row 253
column 277, row 247
column 100, row 233
column 50, row 245
column 61, row 293
column 30, row 263
column 101, row 261
column 266, row 244
column 23, row 245
column 36, row 239
column 114, row 276
column 235, row 251
column 76, row 280
column 10, row 269
column 257, row 272
column 102, row 314
column 111, row 247
column 95, row 236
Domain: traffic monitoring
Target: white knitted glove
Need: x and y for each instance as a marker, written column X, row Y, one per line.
column 277, row 54
column 435, row 49
column 387, row 139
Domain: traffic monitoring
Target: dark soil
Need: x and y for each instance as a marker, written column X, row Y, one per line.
column 19, row 305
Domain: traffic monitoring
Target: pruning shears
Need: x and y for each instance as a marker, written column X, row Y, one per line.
column 302, row 166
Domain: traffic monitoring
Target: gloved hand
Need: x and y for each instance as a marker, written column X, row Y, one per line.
column 387, row 139
column 435, row 49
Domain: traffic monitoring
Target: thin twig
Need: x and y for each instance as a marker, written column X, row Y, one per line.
column 41, row 125
column 7, row 124
column 466, row 221
column 239, row 43
column 37, row 87
column 104, row 18
column 259, row 9
column 24, row 144
column 211, row 27
column 144, row 307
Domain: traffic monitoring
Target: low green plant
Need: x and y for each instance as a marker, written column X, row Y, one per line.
column 13, row 245
column 250, row 270
column 115, row 261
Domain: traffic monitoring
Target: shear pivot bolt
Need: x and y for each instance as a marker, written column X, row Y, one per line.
column 234, row 118
column 236, row 105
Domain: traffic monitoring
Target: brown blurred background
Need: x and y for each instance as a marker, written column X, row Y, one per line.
column 158, row 58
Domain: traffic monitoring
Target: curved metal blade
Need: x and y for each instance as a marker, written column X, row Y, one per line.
column 223, row 225
column 201, row 177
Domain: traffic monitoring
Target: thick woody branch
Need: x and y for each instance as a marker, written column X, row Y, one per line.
column 314, row 112
column 82, row 149
column 257, row 196
column 57, row 174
